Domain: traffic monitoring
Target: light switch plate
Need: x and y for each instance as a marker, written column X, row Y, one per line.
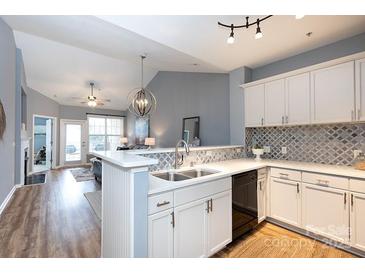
column 267, row 149
column 284, row 150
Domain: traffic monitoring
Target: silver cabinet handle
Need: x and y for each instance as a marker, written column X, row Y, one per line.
column 352, row 200
column 211, row 204
column 344, row 198
column 173, row 219
column 208, row 207
column 260, row 185
column 262, row 121
column 282, row 120
column 352, row 115
column 297, row 187
column 322, row 182
column 287, row 119
column 358, row 114
column 163, row 203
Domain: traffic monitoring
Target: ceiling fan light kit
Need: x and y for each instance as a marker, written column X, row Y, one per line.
column 142, row 102
column 258, row 35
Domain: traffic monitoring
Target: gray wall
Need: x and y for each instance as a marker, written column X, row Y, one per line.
column 237, row 77
column 322, row 54
column 185, row 94
column 7, row 96
column 79, row 113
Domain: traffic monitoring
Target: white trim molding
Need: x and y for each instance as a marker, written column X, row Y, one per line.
column 8, row 198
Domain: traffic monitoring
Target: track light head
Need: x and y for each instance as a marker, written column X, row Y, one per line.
column 258, row 34
column 230, row 39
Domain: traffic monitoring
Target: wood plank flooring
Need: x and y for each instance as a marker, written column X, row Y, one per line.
column 56, row 220
column 51, row 220
column 271, row 241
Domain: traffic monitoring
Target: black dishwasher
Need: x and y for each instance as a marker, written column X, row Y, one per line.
column 244, row 203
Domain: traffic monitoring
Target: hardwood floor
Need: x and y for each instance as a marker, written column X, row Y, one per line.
column 56, row 220
column 51, row 220
column 271, row 241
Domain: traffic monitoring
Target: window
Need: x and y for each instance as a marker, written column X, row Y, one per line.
column 104, row 132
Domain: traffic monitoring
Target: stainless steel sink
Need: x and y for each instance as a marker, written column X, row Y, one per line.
column 182, row 175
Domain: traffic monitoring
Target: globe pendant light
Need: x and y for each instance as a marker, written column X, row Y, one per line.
column 142, row 102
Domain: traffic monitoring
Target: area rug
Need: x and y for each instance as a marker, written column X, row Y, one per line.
column 82, row 174
column 35, row 179
column 94, row 199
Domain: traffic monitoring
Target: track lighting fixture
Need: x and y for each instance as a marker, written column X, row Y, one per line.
column 258, row 35
column 230, row 39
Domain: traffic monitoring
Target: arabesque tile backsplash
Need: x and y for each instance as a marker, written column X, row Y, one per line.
column 325, row 144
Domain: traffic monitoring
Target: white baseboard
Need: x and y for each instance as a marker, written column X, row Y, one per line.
column 8, row 198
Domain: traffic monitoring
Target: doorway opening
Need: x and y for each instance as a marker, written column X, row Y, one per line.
column 44, row 155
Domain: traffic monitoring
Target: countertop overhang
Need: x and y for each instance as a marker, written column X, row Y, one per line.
column 124, row 159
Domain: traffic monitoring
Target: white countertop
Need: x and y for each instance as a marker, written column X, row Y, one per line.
column 232, row 167
column 123, row 159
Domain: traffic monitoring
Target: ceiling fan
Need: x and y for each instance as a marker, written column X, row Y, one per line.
column 91, row 99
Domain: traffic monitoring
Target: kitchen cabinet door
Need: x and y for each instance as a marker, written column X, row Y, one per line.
column 360, row 90
column 275, row 103
column 219, row 222
column 326, row 212
column 254, row 106
column 161, row 235
column 261, row 198
column 333, row 94
column 298, row 99
column 285, row 201
column 190, row 234
column 357, row 220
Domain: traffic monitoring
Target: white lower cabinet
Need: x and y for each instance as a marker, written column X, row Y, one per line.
column 357, row 220
column 219, row 222
column 261, row 198
column 190, row 232
column 198, row 226
column 285, row 201
column 325, row 211
column 161, row 234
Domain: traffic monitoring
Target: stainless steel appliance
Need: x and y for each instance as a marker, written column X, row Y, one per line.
column 244, row 203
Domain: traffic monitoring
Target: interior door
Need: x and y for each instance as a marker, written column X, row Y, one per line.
column 73, row 142
column 49, row 143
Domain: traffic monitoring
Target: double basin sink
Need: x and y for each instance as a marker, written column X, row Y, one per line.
column 177, row 175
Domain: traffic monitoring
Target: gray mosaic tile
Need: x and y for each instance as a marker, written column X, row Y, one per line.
column 326, row 144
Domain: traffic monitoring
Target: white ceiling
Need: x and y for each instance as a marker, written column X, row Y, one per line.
column 63, row 53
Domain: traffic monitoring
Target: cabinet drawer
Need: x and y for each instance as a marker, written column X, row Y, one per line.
column 288, row 174
column 261, row 173
column 357, row 185
column 160, row 202
column 200, row 191
column 326, row 180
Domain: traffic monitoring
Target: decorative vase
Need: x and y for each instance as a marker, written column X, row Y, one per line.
column 258, row 152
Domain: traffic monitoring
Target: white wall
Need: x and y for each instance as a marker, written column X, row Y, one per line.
column 7, row 96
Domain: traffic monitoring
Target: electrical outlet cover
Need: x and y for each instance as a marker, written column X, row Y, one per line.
column 267, row 149
column 356, row 153
column 284, row 150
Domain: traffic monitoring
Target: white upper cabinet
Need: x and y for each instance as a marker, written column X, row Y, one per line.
column 333, row 94
column 254, row 105
column 298, row 99
column 360, row 90
column 275, row 103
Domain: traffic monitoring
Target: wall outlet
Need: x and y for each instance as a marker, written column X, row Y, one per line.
column 284, row 150
column 356, row 153
column 267, row 149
